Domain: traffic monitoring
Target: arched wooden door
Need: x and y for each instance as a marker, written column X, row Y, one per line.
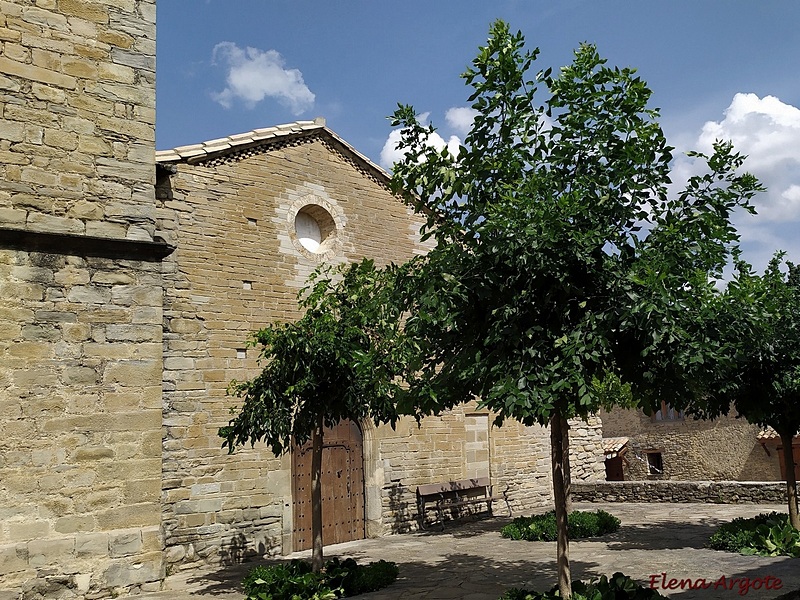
column 342, row 487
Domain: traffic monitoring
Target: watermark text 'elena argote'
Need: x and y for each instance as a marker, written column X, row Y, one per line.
column 741, row 585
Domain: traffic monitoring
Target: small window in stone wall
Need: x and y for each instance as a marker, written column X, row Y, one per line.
column 308, row 232
column 655, row 463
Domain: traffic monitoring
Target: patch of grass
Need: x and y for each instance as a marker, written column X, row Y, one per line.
column 338, row 579
column 618, row 587
column 542, row 528
column 767, row 534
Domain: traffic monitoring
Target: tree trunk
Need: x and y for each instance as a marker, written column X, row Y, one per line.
column 316, row 496
column 557, row 434
column 567, row 467
column 791, row 480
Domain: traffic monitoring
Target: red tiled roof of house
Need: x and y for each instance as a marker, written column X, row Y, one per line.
column 613, row 446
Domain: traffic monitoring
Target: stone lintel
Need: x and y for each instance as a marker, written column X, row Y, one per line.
column 84, row 245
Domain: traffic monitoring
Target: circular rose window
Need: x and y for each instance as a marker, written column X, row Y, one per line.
column 315, row 229
column 308, row 232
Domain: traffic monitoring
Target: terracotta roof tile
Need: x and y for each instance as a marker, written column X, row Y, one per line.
column 767, row 434
column 613, row 446
column 263, row 134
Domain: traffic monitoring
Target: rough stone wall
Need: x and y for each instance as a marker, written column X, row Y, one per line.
column 722, row 449
column 586, row 449
column 80, row 330
column 239, row 265
column 439, row 450
column 80, row 391
column 521, row 465
column 709, row 492
column 413, row 456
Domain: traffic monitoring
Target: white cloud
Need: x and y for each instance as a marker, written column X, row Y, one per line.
column 768, row 132
column 460, row 118
column 255, row 74
column 390, row 154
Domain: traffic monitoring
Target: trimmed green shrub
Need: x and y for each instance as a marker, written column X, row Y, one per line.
column 287, row 581
column 542, row 528
column 739, row 533
column 357, row 579
column 767, row 534
column 294, row 580
column 619, row 587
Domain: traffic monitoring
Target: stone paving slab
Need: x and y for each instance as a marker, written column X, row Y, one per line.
column 470, row 561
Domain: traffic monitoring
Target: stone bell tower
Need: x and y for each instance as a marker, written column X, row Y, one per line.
column 80, row 299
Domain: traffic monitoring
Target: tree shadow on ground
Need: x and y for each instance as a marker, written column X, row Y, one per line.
column 472, row 560
column 655, row 536
column 223, row 580
column 470, row 525
column 763, row 579
column 458, row 575
column 662, row 535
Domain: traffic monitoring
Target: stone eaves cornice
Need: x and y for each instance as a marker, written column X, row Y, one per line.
column 245, row 144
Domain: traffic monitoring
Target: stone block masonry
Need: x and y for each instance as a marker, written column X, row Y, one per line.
column 77, row 117
column 586, row 449
column 80, row 301
column 710, row 492
column 238, row 266
column 80, row 415
column 114, row 365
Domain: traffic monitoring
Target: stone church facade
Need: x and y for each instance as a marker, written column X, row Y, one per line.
column 129, row 282
column 234, row 210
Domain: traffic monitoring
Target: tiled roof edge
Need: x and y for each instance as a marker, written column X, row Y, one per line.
column 257, row 137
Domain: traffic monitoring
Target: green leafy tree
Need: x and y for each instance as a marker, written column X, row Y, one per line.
column 560, row 257
column 760, row 318
column 339, row 361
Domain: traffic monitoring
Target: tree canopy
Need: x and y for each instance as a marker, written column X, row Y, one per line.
column 336, row 362
column 759, row 317
column 560, row 255
column 339, row 361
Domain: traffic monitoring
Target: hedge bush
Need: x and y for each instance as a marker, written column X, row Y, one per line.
column 619, row 587
column 295, row 580
column 767, row 534
column 542, row 528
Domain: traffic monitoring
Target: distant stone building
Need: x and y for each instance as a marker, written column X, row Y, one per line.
column 669, row 446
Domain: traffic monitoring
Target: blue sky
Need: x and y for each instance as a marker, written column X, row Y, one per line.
column 717, row 68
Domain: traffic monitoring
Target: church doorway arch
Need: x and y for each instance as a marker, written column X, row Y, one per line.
column 342, row 487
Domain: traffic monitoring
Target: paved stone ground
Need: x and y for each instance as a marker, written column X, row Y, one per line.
column 470, row 561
